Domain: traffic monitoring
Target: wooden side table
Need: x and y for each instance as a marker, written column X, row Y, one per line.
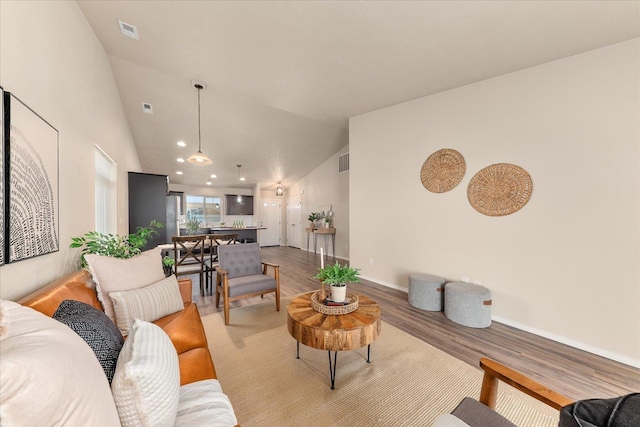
column 326, row 232
column 331, row 332
column 309, row 231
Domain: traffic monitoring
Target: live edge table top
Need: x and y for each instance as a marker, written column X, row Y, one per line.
column 333, row 332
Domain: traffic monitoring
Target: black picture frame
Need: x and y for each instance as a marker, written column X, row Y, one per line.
column 2, row 178
column 31, row 190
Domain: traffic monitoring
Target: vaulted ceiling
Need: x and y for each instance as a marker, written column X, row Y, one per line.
column 284, row 77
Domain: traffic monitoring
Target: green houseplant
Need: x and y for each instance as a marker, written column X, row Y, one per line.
column 313, row 217
column 167, row 265
column 337, row 276
column 192, row 226
column 115, row 245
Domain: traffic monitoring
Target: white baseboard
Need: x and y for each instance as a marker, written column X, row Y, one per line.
column 571, row 343
column 388, row 285
column 327, row 257
column 563, row 340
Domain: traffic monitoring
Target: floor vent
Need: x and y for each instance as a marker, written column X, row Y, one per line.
column 343, row 163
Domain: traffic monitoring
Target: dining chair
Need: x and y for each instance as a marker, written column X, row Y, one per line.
column 242, row 274
column 189, row 253
column 211, row 263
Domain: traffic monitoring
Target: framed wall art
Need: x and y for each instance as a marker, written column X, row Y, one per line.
column 2, row 178
column 31, row 185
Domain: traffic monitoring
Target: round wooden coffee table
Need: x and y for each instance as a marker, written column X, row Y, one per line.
column 333, row 332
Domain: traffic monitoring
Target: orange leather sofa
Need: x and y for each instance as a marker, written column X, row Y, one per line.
column 184, row 327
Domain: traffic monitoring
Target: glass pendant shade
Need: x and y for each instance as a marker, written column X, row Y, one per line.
column 279, row 190
column 199, row 158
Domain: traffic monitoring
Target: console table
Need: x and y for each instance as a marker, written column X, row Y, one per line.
column 326, row 232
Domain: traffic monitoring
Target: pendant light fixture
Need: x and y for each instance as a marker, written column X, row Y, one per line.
column 199, row 158
column 279, row 190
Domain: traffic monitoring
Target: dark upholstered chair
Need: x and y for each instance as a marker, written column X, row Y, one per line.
column 474, row 413
column 242, row 274
column 621, row 411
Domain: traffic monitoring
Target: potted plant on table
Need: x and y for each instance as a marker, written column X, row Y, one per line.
column 313, row 217
column 192, row 226
column 337, row 276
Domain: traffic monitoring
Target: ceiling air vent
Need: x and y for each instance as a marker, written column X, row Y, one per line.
column 128, row 30
column 343, row 163
column 147, row 108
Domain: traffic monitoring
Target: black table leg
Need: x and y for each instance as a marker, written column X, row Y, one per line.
column 332, row 369
column 333, row 363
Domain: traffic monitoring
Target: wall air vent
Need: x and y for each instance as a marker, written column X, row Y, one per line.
column 128, row 30
column 343, row 163
column 147, row 108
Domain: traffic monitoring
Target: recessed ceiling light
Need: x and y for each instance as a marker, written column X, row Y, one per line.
column 208, row 182
column 181, row 144
column 128, row 30
column 180, row 160
column 179, row 173
column 214, row 176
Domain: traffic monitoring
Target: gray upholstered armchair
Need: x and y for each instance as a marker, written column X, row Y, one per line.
column 242, row 274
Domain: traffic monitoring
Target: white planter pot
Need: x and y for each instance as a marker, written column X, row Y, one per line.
column 338, row 293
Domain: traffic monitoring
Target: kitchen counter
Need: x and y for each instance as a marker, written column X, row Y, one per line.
column 249, row 233
column 234, row 229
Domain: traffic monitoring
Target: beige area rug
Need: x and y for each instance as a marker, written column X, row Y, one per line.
column 407, row 383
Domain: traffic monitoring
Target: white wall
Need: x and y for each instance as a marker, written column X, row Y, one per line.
column 322, row 187
column 567, row 265
column 51, row 59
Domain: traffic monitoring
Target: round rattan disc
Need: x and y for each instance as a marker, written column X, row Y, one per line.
column 442, row 170
column 500, row 189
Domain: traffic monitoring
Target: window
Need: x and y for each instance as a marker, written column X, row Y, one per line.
column 106, row 193
column 204, row 208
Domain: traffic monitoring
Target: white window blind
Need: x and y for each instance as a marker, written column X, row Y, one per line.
column 106, row 200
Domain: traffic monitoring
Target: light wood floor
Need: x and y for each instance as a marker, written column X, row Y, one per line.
column 574, row 373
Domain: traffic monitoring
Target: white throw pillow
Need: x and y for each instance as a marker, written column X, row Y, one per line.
column 48, row 374
column 202, row 403
column 149, row 303
column 146, row 385
column 115, row 274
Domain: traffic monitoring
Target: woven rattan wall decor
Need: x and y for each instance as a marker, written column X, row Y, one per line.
column 443, row 170
column 500, row 189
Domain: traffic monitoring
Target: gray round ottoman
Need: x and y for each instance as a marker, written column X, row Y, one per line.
column 467, row 304
column 425, row 291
